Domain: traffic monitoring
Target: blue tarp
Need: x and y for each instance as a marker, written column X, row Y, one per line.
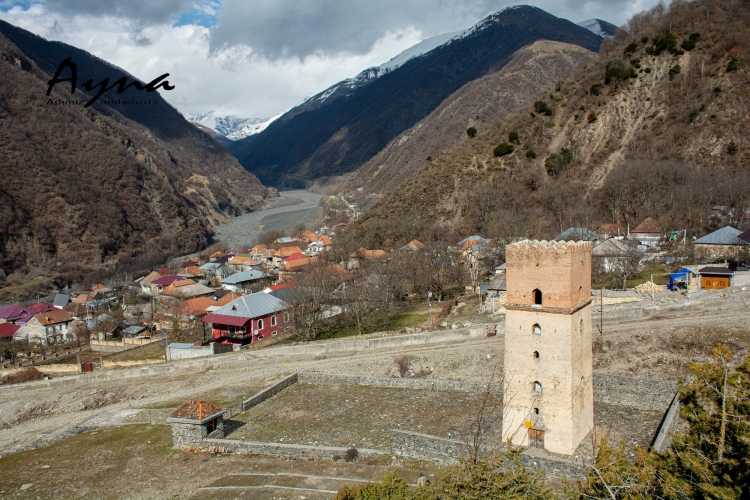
column 681, row 276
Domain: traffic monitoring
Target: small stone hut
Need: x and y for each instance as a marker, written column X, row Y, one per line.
column 195, row 421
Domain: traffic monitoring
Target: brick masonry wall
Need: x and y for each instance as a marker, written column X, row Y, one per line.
column 269, row 391
column 408, row 383
column 561, row 271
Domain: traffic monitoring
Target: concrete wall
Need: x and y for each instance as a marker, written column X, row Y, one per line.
column 393, row 342
column 269, row 391
column 119, row 345
column 668, row 426
column 174, row 354
column 643, row 394
column 409, row 383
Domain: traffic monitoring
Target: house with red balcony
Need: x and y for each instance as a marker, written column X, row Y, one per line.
column 250, row 318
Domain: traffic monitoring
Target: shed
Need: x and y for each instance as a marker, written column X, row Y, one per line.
column 680, row 280
column 61, row 300
column 195, row 421
column 724, row 243
column 715, row 278
column 133, row 330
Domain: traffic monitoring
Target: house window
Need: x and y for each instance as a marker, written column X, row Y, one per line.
column 286, row 317
column 273, row 320
column 537, row 297
column 581, row 326
column 536, row 354
column 260, row 324
column 536, row 329
column 537, row 387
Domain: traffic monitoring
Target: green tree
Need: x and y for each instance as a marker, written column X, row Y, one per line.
column 541, row 107
column 732, row 148
column 734, row 65
column 531, row 154
column 616, row 71
column 513, row 137
column 689, row 43
column 471, row 132
column 502, row 149
column 712, row 460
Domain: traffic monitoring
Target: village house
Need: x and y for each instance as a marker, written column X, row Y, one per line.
column 243, row 262
column 239, row 282
column 49, row 327
column 186, row 289
column 612, row 230
column 289, row 269
column 249, row 319
column 191, row 272
column 610, row 253
column 413, row 246
column 12, row 313
column 648, row 233
column 722, row 244
column 159, row 284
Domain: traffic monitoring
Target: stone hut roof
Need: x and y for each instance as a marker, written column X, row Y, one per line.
column 197, row 411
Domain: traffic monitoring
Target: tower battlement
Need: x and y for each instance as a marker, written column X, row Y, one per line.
column 535, row 247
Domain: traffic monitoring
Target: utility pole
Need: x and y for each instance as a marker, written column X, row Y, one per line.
column 429, row 305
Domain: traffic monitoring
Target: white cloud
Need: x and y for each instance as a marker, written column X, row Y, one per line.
column 267, row 56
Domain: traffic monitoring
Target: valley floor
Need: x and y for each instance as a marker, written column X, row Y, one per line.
column 117, row 460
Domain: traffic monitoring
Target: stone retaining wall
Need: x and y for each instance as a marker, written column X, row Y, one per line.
column 426, row 447
column 284, row 450
column 269, row 391
column 422, row 338
column 407, row 383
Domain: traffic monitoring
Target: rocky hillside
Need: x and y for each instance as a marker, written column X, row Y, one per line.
column 533, row 70
column 655, row 126
column 93, row 190
column 341, row 133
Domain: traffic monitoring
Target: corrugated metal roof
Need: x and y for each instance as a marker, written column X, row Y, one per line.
column 179, row 345
column 578, row 234
column 727, row 235
column 132, row 330
column 716, row 270
column 242, row 277
column 61, row 300
column 252, row 306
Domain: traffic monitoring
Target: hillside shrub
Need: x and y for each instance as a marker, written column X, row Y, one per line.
column 502, row 149
column 596, row 89
column 471, row 132
column 630, row 49
column 734, row 65
column 556, row 163
column 25, row 375
column 513, row 137
column 674, row 70
column 617, row 71
column 591, row 117
column 666, row 42
column 636, row 63
column 732, row 148
column 689, row 43
column 541, row 107
column 531, row 154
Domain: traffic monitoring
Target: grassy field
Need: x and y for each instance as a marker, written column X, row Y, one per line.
column 25, row 290
column 137, row 461
column 340, row 415
column 380, row 323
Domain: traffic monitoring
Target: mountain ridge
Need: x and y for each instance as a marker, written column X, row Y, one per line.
column 313, row 141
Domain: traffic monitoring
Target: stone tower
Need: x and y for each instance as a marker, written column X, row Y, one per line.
column 549, row 397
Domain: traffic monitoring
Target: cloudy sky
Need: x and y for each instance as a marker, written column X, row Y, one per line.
column 256, row 58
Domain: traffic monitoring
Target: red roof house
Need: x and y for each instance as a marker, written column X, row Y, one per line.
column 250, row 319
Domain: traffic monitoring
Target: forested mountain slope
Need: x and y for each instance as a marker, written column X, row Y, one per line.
column 90, row 190
column 655, row 126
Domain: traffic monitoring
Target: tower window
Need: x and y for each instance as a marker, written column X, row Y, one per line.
column 536, row 329
column 536, row 411
column 581, row 326
column 537, row 387
column 536, row 354
column 537, row 297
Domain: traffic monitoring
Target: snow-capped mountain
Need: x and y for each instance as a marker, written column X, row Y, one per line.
column 338, row 130
column 599, row 27
column 231, row 127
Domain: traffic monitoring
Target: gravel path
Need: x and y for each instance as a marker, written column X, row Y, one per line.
column 245, row 229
